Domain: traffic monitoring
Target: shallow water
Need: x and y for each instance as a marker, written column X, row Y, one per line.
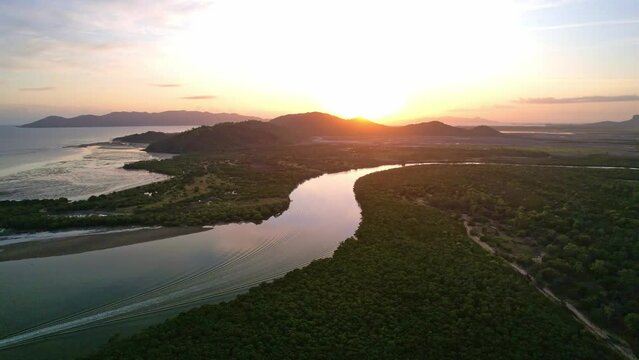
column 52, row 235
column 92, row 296
column 42, row 163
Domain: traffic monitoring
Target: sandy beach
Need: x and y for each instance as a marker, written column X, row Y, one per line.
column 85, row 243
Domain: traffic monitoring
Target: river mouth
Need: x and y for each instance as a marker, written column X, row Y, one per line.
column 66, row 306
column 78, row 173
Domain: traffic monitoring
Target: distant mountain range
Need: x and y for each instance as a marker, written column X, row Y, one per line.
column 167, row 118
column 320, row 124
column 292, row 128
column 632, row 124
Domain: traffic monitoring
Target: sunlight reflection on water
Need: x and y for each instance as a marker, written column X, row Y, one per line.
column 97, row 294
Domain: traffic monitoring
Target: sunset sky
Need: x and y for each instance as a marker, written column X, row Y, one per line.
column 391, row 60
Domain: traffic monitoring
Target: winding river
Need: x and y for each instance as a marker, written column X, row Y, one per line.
column 66, row 306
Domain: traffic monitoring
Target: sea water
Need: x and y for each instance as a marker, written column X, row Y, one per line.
column 40, row 163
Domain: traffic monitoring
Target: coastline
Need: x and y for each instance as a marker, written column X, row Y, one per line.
column 91, row 242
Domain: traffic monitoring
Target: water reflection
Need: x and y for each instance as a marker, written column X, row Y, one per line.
column 85, row 298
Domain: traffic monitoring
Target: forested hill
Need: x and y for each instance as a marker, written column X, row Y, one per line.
column 224, row 136
column 289, row 129
column 321, row 124
column 144, row 138
column 167, row 118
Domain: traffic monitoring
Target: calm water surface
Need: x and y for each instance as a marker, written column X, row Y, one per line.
column 65, row 306
column 42, row 163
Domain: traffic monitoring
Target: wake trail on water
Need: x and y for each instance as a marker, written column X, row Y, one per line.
column 184, row 289
column 234, row 272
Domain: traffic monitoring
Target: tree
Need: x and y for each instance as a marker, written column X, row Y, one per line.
column 599, row 267
column 632, row 322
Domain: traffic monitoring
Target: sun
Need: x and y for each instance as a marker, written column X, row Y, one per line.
column 359, row 101
column 351, row 58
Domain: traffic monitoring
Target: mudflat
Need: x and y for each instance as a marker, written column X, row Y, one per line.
column 86, row 243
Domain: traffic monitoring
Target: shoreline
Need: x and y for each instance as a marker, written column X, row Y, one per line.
column 90, row 242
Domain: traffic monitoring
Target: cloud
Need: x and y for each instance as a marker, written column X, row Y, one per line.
column 166, row 85
column 534, row 5
column 86, row 34
column 588, row 24
column 481, row 108
column 462, row 109
column 199, row 97
column 43, row 88
column 577, row 100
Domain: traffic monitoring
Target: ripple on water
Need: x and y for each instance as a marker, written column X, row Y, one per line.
column 91, row 296
column 83, row 172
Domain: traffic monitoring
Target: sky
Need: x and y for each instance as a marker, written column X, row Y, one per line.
column 393, row 61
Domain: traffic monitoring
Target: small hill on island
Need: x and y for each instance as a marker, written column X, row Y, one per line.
column 632, row 124
column 144, row 138
column 432, row 128
column 486, row 131
column 167, row 118
column 459, row 121
column 224, row 136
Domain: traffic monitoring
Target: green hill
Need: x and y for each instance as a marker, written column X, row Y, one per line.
column 224, row 136
column 321, row 124
column 144, row 138
column 291, row 128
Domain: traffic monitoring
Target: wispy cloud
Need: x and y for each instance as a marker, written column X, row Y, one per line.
column 578, row 100
column 462, row 109
column 43, row 88
column 87, row 34
column 199, row 97
column 481, row 108
column 533, row 5
column 166, row 85
column 588, row 24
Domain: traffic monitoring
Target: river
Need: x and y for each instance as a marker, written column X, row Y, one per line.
column 66, row 306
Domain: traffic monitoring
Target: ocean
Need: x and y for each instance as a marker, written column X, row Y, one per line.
column 38, row 163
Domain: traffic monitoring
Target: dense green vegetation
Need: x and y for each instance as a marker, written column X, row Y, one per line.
column 224, row 136
column 574, row 230
column 224, row 186
column 412, row 285
column 144, row 138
